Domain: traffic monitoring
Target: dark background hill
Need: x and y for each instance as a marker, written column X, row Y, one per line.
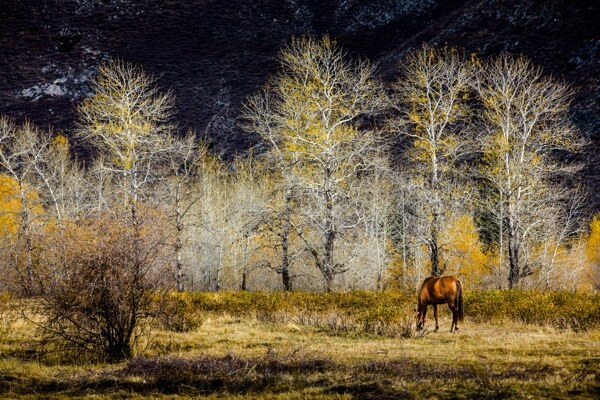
column 213, row 53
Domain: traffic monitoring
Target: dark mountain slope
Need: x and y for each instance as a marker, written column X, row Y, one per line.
column 562, row 36
column 212, row 53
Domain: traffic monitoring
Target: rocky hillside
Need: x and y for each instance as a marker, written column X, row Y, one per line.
column 213, row 53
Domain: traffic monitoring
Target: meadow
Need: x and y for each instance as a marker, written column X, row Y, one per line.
column 356, row 345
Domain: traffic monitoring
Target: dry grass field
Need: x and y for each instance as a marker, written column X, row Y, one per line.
column 249, row 356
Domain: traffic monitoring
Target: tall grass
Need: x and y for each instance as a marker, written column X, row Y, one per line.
column 563, row 309
column 392, row 312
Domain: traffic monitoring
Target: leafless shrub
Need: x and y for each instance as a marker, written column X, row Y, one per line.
column 98, row 296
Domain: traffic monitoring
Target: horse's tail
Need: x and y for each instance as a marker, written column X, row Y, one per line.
column 460, row 306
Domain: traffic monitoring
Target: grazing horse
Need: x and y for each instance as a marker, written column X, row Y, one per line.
column 434, row 291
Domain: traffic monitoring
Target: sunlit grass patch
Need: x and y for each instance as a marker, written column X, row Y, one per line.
column 248, row 354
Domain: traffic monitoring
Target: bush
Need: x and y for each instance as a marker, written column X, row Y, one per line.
column 99, row 294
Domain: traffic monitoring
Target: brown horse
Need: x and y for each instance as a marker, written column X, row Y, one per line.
column 434, row 291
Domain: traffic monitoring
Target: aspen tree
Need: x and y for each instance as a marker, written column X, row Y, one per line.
column 310, row 115
column 180, row 194
column 525, row 117
column 431, row 100
column 211, row 219
column 22, row 149
column 127, row 120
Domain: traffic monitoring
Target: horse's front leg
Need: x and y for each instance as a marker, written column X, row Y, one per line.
column 435, row 315
column 421, row 318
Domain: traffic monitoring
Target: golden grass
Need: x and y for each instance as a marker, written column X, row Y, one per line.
column 509, row 360
column 475, row 342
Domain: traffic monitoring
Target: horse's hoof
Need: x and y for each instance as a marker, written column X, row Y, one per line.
column 436, row 329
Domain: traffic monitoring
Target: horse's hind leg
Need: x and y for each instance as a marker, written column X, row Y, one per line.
column 454, row 326
column 435, row 315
